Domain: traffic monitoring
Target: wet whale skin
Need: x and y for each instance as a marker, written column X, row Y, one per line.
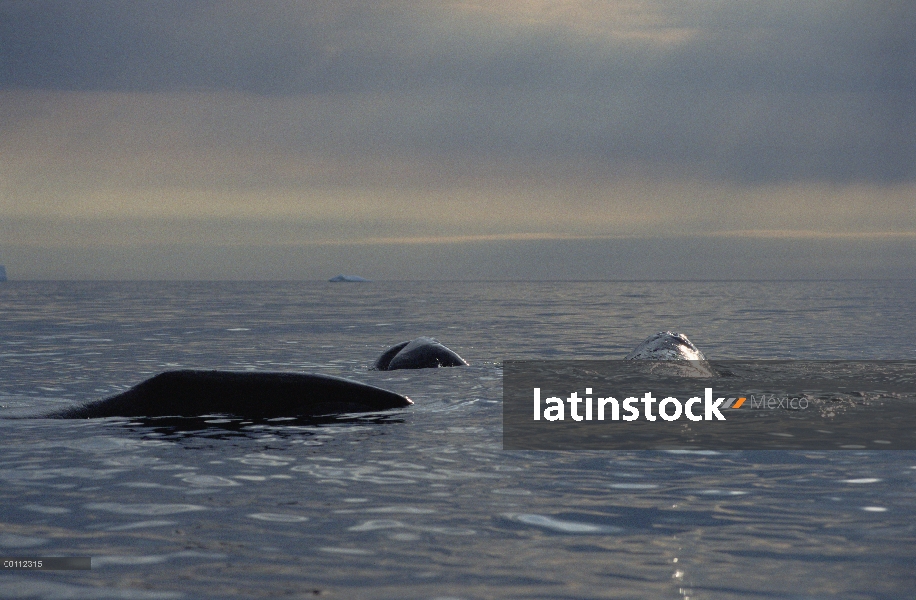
column 195, row 393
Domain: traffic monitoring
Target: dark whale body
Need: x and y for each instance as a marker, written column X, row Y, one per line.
column 264, row 395
column 421, row 353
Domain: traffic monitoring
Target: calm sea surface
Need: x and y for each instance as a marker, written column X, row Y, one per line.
column 424, row 503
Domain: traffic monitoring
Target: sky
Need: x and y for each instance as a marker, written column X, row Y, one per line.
column 519, row 139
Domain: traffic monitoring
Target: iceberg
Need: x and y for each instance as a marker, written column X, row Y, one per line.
column 348, row 278
column 2, row 273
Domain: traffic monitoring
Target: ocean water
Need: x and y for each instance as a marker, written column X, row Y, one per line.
column 423, row 502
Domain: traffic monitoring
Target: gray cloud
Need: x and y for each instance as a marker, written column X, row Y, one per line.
column 759, row 92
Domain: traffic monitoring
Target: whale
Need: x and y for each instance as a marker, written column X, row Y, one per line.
column 672, row 346
column 666, row 345
column 191, row 393
column 421, row 353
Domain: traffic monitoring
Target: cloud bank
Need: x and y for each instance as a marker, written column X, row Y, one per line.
column 352, row 122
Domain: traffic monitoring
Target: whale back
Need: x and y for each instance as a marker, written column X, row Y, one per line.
column 385, row 359
column 421, row 353
column 251, row 394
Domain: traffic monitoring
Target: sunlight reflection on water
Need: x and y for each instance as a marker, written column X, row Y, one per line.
column 424, row 503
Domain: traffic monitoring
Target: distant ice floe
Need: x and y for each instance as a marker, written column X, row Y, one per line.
column 350, row 278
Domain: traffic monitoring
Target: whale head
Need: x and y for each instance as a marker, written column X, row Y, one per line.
column 666, row 345
column 421, row 353
column 671, row 346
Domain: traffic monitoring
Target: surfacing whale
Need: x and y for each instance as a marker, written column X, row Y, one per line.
column 670, row 346
column 249, row 394
column 421, row 353
column 666, row 345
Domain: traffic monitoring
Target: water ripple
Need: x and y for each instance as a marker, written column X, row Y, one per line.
column 560, row 525
column 143, row 509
